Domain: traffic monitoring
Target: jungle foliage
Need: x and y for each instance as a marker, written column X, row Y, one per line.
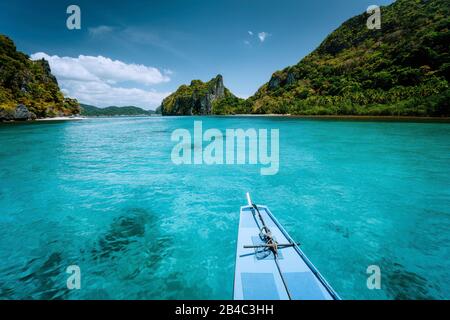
column 27, row 82
column 401, row 69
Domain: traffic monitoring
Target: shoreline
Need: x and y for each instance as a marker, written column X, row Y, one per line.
column 348, row 117
column 288, row 116
column 60, row 119
column 55, row 119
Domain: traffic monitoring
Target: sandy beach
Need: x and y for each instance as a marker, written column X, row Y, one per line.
column 61, row 119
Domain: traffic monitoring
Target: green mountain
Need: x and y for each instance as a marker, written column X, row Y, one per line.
column 401, row 69
column 27, row 88
column 201, row 98
column 91, row 111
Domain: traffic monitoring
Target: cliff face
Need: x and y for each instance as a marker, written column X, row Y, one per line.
column 199, row 98
column 28, row 90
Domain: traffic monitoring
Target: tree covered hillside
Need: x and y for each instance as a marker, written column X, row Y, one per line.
column 30, row 85
column 401, row 69
column 91, row 111
column 200, row 98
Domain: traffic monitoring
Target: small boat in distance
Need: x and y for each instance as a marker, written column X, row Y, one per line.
column 270, row 265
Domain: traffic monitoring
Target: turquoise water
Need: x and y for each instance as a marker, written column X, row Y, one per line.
column 103, row 194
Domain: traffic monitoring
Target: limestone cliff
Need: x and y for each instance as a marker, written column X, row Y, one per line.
column 28, row 90
column 199, row 98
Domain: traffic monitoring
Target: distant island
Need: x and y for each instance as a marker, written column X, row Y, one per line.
column 403, row 69
column 201, row 98
column 91, row 111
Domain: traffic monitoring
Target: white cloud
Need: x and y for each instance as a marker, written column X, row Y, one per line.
column 102, row 94
column 263, row 35
column 250, row 32
column 95, row 80
column 100, row 30
column 91, row 68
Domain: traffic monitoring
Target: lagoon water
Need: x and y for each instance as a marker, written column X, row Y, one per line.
column 103, row 194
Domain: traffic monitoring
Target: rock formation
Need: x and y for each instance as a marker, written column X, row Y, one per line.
column 196, row 99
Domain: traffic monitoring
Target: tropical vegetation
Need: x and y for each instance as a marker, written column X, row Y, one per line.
column 31, row 84
column 200, row 97
column 402, row 69
column 91, row 111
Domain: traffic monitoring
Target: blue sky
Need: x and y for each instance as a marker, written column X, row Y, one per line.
column 136, row 52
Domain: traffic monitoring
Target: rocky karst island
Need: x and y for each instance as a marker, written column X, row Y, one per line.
column 200, row 98
column 28, row 90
